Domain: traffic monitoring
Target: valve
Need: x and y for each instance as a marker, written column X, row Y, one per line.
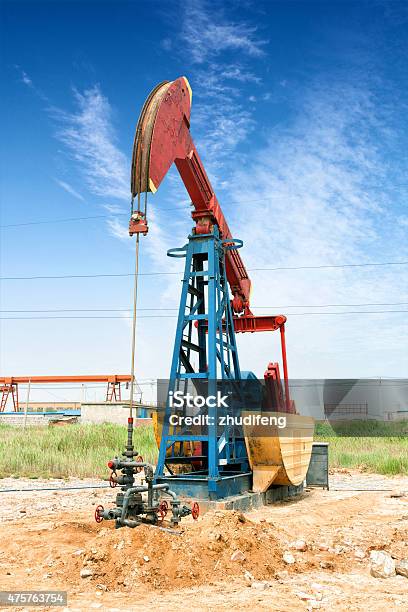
column 195, row 511
column 99, row 510
column 112, row 480
column 139, row 459
column 164, row 507
column 161, row 513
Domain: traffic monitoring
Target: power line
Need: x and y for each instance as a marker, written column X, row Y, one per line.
column 226, row 203
column 70, row 219
column 176, row 309
column 158, row 273
column 293, row 314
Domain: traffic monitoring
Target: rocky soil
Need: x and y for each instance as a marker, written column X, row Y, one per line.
column 343, row 549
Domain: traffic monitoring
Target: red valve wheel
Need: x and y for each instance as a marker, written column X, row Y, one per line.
column 98, row 514
column 161, row 513
column 139, row 459
column 112, row 482
column 164, row 507
column 195, row 511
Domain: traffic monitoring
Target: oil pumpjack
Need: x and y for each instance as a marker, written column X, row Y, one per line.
column 218, row 461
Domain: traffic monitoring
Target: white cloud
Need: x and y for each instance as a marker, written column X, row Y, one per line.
column 69, row 189
column 237, row 73
column 118, row 229
column 207, row 33
column 113, row 208
column 219, row 116
column 26, row 79
column 89, row 136
column 319, row 208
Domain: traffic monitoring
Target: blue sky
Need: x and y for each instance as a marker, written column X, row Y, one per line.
column 300, row 115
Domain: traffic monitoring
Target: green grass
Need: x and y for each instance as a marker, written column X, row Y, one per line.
column 83, row 450
column 72, row 450
column 369, row 446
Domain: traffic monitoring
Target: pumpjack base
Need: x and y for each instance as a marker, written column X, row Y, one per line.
column 245, row 502
column 201, row 487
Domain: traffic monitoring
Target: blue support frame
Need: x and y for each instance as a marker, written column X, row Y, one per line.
column 205, row 332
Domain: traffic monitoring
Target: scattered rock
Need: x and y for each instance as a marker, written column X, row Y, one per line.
column 326, row 565
column 359, row 554
column 312, row 604
column 146, row 558
column 324, row 547
column 288, row 558
column 299, row 545
column 401, row 567
column 237, row 555
column 102, row 587
column 79, row 552
column 22, row 511
column 249, row 577
column 259, row 585
column 398, row 493
column 303, row 596
column 282, row 575
column 120, row 545
column 382, row 564
column 86, row 572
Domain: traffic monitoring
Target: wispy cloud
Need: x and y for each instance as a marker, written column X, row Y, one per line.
column 118, row 229
column 207, row 33
column 26, row 79
column 221, row 120
column 237, row 73
column 113, row 208
column 317, row 194
column 90, row 139
column 89, row 135
column 69, row 189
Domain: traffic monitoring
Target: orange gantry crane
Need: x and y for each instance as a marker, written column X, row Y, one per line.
column 9, row 385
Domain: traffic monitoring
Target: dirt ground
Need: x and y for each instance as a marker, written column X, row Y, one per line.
column 48, row 537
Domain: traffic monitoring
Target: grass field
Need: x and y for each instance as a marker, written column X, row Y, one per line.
column 371, row 446
column 83, row 450
column 71, row 450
